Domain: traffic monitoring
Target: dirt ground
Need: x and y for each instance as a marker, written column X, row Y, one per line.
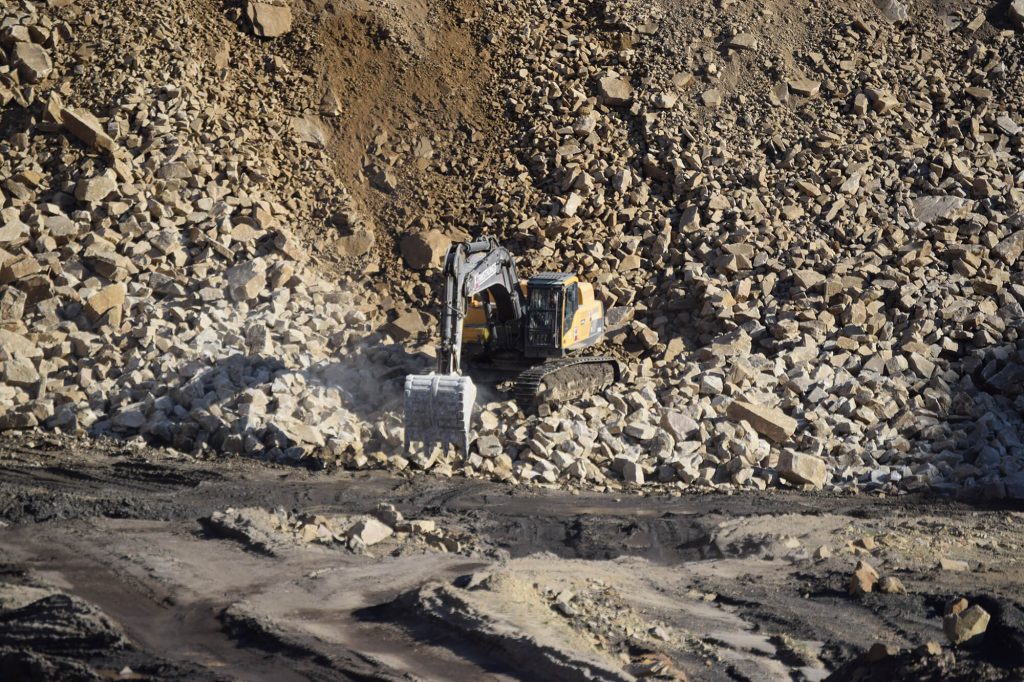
column 114, row 566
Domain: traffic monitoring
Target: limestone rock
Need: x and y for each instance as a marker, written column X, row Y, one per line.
column 13, row 344
column 801, row 468
column 269, row 20
column 863, row 579
column 86, row 128
column 1016, row 13
column 1009, row 249
column 804, row 87
column 370, row 531
column 247, row 280
column 422, row 250
column 107, row 298
column 13, row 234
column 967, row 626
column 355, row 245
column 931, row 209
column 95, row 189
column 12, row 304
column 406, row 326
column 958, row 565
column 767, row 421
column 33, row 61
column 742, row 41
column 891, row 585
column 18, row 372
column 679, row 426
column 615, row 92
column 632, row 473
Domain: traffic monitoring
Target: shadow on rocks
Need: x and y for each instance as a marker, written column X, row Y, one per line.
column 258, row 406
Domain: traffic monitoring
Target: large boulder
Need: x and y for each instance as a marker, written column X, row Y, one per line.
column 106, row 299
column 615, row 92
column 95, row 189
column 86, row 128
column 767, row 421
column 354, row 245
column 422, row 250
column 800, row 468
column 407, row 325
column 247, row 280
column 32, row 61
column 269, row 20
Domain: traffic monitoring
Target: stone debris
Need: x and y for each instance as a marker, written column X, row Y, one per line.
column 863, row 579
column 274, row 532
column 965, row 624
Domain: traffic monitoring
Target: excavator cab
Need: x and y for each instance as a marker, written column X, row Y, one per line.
column 563, row 315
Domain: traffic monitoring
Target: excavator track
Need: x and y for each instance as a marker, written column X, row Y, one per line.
column 565, row 379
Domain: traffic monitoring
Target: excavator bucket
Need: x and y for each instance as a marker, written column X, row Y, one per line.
column 438, row 408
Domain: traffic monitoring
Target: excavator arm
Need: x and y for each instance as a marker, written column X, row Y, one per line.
column 472, row 268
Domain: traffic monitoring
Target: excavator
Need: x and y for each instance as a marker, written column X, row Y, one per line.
column 530, row 331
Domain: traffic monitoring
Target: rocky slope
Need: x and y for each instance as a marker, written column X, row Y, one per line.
column 220, row 229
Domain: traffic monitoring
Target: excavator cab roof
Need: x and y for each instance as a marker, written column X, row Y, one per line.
column 552, row 278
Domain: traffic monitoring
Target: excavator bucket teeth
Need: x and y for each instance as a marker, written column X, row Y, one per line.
column 438, row 408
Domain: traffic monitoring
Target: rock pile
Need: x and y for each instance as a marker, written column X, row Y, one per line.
column 817, row 247
column 271, row 532
column 809, row 248
column 150, row 279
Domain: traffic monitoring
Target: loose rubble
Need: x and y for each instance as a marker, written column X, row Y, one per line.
column 809, row 253
column 277, row 532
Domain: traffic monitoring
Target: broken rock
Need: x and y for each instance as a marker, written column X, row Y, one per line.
column 86, row 128
column 248, row 280
column 800, row 468
column 105, row 299
column 32, row 61
column 1008, row 250
column 863, row 579
column 767, row 421
column 966, row 626
column 615, row 92
column 269, row 20
column 422, row 250
column 370, row 531
column 95, row 189
column 406, row 326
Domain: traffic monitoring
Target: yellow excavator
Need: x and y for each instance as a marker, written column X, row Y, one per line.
column 530, row 331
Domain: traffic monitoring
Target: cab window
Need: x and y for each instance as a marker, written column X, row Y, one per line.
column 572, row 294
